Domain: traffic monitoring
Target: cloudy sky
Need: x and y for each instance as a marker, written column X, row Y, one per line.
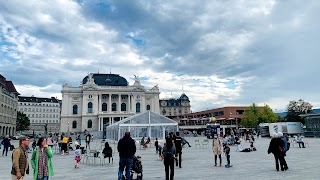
column 221, row 52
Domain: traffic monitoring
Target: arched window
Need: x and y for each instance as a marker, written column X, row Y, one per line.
column 90, row 107
column 123, row 107
column 148, row 107
column 89, row 123
column 114, row 106
column 74, row 124
column 104, row 106
column 137, row 107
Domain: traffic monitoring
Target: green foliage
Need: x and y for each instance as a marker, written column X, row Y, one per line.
column 267, row 115
column 23, row 122
column 253, row 117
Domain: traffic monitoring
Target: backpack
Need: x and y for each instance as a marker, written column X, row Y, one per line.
column 168, row 154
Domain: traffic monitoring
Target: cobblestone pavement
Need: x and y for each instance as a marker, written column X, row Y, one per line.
column 197, row 164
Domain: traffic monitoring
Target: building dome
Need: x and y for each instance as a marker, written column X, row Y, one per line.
column 107, row 80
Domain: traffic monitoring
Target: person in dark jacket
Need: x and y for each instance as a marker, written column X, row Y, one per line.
column 107, row 151
column 6, row 143
column 126, row 149
column 156, row 144
column 274, row 148
column 177, row 142
column 283, row 151
column 168, row 152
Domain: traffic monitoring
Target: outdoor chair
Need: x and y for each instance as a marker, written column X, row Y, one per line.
column 306, row 142
column 89, row 158
column 55, row 148
column 205, row 143
column 197, row 143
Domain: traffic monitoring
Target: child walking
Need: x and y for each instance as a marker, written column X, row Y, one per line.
column 77, row 154
column 227, row 152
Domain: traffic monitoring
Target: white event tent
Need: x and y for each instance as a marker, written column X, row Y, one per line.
column 148, row 124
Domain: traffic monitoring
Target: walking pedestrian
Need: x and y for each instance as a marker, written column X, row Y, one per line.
column 41, row 161
column 126, row 149
column 77, row 157
column 20, row 161
column 79, row 139
column 169, row 152
column 217, row 148
column 177, row 142
column 88, row 139
column 64, row 145
column 156, row 143
column 283, row 151
column 274, row 148
column 6, row 143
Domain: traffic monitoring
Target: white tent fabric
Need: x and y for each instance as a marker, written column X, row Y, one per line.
column 148, row 124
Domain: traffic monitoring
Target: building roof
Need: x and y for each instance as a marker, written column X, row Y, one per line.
column 107, row 80
column 7, row 85
column 176, row 102
column 11, row 87
column 147, row 118
column 37, row 99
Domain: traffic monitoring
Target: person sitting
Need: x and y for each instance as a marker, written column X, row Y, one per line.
column 300, row 141
column 239, row 147
column 148, row 140
column 143, row 143
column 107, row 151
column 252, row 148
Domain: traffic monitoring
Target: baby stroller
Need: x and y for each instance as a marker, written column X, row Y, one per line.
column 136, row 167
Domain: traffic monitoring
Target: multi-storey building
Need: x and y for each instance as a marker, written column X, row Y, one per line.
column 103, row 99
column 44, row 113
column 8, row 107
column 175, row 107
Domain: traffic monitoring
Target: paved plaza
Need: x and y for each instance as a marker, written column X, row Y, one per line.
column 197, row 164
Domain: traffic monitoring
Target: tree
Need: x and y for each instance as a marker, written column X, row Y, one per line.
column 251, row 117
column 23, row 122
column 296, row 108
column 267, row 115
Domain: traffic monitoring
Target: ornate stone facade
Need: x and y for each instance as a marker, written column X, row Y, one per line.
column 8, row 107
column 175, row 107
column 104, row 99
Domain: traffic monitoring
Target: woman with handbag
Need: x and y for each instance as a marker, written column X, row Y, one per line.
column 41, row 161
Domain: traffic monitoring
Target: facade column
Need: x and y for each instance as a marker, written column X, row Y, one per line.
column 99, row 121
column 99, row 103
column 119, row 103
column 133, row 105
column 110, row 104
column 129, row 103
column 101, row 124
